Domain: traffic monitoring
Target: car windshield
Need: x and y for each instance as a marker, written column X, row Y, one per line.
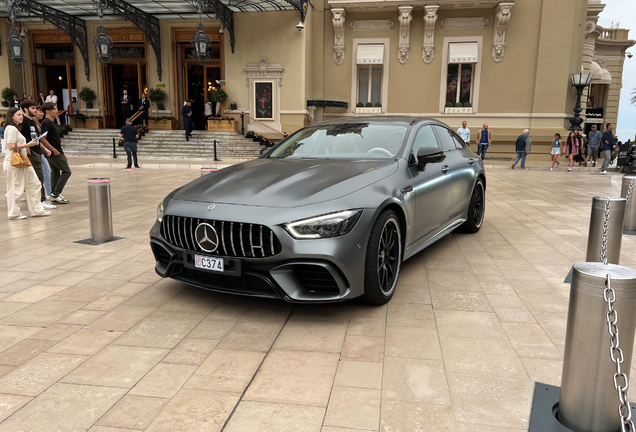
column 343, row 141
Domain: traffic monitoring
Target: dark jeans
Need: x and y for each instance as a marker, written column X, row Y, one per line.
column 131, row 148
column 60, row 173
column 36, row 163
column 481, row 149
column 189, row 126
column 143, row 118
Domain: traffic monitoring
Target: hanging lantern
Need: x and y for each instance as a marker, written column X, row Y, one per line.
column 201, row 40
column 103, row 43
column 15, row 44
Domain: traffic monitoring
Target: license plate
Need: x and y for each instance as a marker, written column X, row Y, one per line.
column 208, row 263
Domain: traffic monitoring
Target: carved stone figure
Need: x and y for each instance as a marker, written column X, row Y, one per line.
column 338, row 21
column 502, row 17
column 405, row 23
column 430, row 17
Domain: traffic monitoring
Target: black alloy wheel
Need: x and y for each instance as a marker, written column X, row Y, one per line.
column 384, row 258
column 476, row 209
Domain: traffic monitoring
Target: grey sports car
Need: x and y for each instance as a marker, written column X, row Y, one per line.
column 328, row 214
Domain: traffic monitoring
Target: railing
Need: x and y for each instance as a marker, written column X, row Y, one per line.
column 257, row 121
column 135, row 116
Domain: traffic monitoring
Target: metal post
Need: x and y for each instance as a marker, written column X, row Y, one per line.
column 589, row 400
column 205, row 171
column 630, row 206
column 242, row 123
column 114, row 150
column 100, row 211
column 614, row 229
column 215, row 158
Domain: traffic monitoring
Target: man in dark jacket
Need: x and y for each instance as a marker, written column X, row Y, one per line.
column 608, row 142
column 186, row 113
column 144, row 106
column 522, row 146
column 125, row 105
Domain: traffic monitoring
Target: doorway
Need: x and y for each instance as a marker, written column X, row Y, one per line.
column 199, row 84
column 130, row 77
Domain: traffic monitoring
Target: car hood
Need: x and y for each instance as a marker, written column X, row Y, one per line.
column 286, row 182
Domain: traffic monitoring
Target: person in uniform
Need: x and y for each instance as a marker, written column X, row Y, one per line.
column 186, row 113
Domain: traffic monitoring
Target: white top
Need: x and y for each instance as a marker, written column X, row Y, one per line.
column 208, row 109
column 12, row 135
column 52, row 99
column 464, row 133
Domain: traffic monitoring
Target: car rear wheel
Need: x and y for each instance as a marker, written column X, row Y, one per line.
column 476, row 209
column 384, row 258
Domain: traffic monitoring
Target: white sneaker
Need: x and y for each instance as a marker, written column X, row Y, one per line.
column 551, row 169
column 557, row 164
column 44, row 213
column 21, row 217
column 603, row 172
column 48, row 206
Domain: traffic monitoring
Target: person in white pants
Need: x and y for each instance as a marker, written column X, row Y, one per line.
column 20, row 179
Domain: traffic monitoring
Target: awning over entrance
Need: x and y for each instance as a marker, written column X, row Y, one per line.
column 600, row 75
column 370, row 54
column 463, row 52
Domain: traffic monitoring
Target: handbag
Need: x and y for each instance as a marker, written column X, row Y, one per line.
column 18, row 160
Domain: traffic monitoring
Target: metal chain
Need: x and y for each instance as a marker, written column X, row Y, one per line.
column 605, row 230
column 616, row 354
column 629, row 191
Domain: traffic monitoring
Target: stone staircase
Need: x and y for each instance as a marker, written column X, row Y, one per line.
column 162, row 145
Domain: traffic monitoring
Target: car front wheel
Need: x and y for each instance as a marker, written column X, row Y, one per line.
column 384, row 257
column 476, row 209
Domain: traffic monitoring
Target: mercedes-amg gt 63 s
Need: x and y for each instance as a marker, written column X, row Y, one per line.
column 328, row 214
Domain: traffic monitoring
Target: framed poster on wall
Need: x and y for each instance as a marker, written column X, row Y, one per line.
column 264, row 99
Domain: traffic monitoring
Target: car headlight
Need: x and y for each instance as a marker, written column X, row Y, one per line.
column 325, row 226
column 160, row 212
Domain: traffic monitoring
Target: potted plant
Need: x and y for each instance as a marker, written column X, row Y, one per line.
column 249, row 134
column 7, row 96
column 87, row 95
column 459, row 105
column 156, row 95
column 163, row 122
column 359, row 105
column 222, row 124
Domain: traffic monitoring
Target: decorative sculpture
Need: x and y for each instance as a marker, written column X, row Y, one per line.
column 338, row 29
column 405, row 24
column 502, row 16
column 430, row 17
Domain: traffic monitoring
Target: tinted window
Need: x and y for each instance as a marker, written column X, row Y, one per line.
column 424, row 138
column 343, row 141
column 459, row 143
column 448, row 144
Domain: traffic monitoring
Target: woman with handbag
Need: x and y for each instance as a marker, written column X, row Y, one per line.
column 21, row 176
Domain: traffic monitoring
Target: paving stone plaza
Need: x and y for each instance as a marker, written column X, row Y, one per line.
column 91, row 339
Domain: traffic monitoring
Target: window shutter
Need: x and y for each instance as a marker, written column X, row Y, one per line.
column 463, row 52
column 370, row 54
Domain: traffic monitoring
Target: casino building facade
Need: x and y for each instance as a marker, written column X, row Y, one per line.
column 282, row 62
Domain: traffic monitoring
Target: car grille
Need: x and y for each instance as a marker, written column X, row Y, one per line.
column 316, row 278
column 237, row 239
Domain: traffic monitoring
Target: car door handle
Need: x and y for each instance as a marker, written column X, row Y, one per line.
column 471, row 161
column 445, row 169
column 406, row 189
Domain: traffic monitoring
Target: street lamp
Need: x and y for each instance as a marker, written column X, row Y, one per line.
column 201, row 40
column 15, row 44
column 579, row 81
column 103, row 44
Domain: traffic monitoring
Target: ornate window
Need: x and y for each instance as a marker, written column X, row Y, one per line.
column 459, row 93
column 370, row 75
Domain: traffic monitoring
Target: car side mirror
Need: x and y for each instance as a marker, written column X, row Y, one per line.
column 426, row 155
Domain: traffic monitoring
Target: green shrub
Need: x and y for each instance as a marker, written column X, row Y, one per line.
column 467, row 104
column 87, row 94
column 378, row 105
column 369, row 105
column 8, row 93
column 359, row 105
column 220, row 95
column 459, row 105
column 156, row 95
column 449, row 104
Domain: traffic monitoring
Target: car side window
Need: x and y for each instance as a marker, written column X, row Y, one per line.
column 424, row 138
column 459, row 143
column 446, row 140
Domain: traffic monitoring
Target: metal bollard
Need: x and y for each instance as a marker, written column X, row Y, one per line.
column 588, row 400
column 205, row 171
column 614, row 229
column 629, row 224
column 114, row 150
column 215, row 158
column 99, row 209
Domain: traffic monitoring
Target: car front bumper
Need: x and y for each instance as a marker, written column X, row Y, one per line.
column 308, row 270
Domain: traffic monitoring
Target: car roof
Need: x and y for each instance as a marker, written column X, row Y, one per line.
column 402, row 120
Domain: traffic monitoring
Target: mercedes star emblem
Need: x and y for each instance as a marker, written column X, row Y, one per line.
column 211, row 207
column 206, row 237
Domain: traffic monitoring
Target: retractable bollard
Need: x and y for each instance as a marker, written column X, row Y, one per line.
column 100, row 211
column 615, row 217
column 630, row 206
column 589, row 400
column 205, row 171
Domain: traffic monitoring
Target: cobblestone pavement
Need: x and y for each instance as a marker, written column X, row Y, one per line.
column 92, row 339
